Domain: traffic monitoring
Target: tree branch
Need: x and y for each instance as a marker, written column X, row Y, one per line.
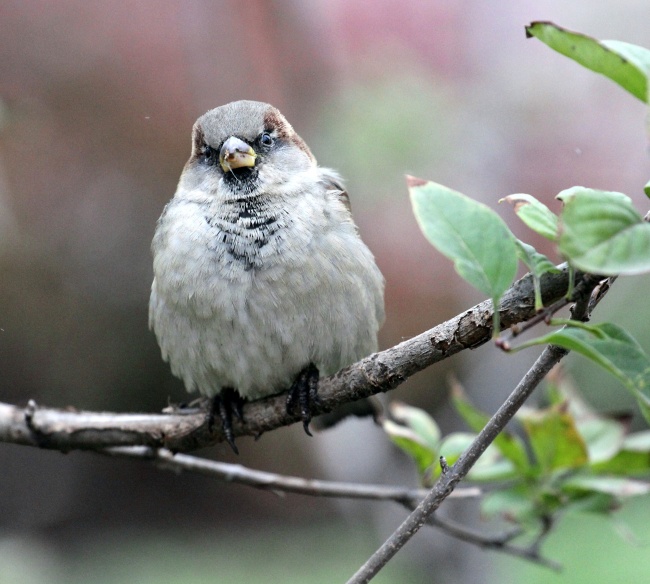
column 500, row 542
column 448, row 481
column 186, row 430
column 236, row 473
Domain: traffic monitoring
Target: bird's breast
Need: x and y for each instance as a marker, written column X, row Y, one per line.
column 247, row 232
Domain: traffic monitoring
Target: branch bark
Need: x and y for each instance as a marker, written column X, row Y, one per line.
column 268, row 481
column 187, row 430
column 448, row 481
column 499, row 542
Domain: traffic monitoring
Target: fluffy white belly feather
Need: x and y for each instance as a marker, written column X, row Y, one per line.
column 230, row 312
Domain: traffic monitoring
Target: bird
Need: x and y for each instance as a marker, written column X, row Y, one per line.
column 262, row 283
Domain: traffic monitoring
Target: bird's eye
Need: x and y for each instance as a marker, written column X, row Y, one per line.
column 208, row 154
column 266, row 139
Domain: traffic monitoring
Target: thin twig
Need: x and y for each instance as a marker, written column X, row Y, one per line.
column 546, row 314
column 499, row 542
column 447, row 482
column 542, row 316
column 547, row 526
column 599, row 292
column 236, row 473
column 599, row 284
column 586, row 295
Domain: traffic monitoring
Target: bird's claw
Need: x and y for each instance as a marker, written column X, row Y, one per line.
column 224, row 405
column 304, row 392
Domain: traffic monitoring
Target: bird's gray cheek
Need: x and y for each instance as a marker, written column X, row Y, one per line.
column 292, row 158
column 273, row 175
column 207, row 179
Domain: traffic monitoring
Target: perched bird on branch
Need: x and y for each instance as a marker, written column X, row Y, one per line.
column 261, row 280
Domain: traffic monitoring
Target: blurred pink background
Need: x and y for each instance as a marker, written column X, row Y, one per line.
column 97, row 100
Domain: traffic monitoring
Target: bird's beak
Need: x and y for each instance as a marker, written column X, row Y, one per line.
column 235, row 153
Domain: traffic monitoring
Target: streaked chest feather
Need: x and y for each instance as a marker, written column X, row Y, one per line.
column 246, row 231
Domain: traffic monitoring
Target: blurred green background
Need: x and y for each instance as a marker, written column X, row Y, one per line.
column 97, row 100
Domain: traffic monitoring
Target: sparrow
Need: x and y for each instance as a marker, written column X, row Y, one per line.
column 261, row 280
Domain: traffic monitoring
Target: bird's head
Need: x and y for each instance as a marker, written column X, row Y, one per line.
column 245, row 147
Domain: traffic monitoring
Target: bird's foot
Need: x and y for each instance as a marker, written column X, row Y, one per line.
column 224, row 405
column 304, row 392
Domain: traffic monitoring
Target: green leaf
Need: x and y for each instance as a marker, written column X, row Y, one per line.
column 646, row 189
column 633, row 457
column 626, row 463
column 418, row 435
column 625, row 64
column 554, row 438
column 561, row 389
column 604, row 438
column 602, row 233
column 537, row 216
column 490, row 467
column 454, row 444
column 638, row 442
column 590, row 502
column 413, row 445
column 538, row 264
column 418, row 421
column 616, row 486
column 509, row 445
column 473, row 236
column 613, row 349
column 491, row 471
column 517, row 504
